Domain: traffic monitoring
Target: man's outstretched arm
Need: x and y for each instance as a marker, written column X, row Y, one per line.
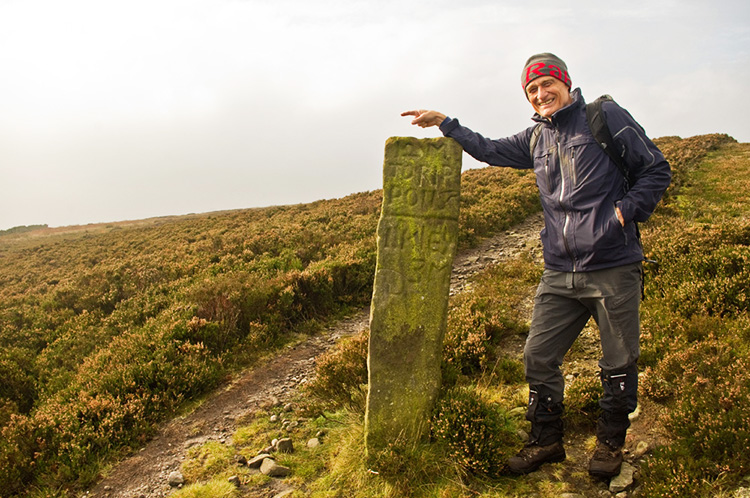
column 424, row 118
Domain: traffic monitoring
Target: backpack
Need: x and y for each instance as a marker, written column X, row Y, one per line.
column 602, row 135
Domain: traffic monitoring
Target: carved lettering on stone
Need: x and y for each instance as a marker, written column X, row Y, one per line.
column 417, row 238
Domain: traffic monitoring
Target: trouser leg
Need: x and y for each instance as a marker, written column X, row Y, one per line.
column 616, row 311
column 620, row 399
column 557, row 320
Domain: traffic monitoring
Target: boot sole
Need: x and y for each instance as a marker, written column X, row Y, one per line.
column 602, row 474
column 555, row 459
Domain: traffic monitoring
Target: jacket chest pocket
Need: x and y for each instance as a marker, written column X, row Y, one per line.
column 574, row 160
column 546, row 169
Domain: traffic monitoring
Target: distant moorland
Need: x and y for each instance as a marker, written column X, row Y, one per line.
column 106, row 330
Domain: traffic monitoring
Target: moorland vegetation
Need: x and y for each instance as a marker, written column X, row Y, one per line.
column 105, row 332
column 694, row 381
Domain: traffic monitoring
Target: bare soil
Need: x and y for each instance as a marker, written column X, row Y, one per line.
column 145, row 474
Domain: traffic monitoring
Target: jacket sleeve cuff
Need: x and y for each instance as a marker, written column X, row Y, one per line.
column 626, row 208
column 448, row 125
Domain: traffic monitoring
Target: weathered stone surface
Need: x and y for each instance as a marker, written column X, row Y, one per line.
column 417, row 237
column 175, row 479
column 270, row 468
column 255, row 463
column 313, row 443
column 624, row 480
column 285, row 445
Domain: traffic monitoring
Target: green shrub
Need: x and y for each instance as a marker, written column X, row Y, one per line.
column 486, row 313
column 17, row 448
column 466, row 348
column 707, row 418
column 479, row 436
column 506, row 371
column 582, row 397
column 341, row 374
column 703, row 268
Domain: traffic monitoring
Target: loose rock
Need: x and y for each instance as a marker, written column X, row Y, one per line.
column 270, row 468
column 313, row 443
column 285, row 445
column 254, row 463
column 624, row 480
column 641, row 449
column 175, row 479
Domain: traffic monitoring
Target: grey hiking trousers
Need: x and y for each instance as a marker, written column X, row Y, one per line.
column 563, row 304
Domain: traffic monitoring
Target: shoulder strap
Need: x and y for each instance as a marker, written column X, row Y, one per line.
column 602, row 135
column 600, row 130
column 534, row 139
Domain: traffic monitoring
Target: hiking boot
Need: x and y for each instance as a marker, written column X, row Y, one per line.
column 606, row 462
column 532, row 456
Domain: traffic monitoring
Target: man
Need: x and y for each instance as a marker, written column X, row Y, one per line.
column 592, row 253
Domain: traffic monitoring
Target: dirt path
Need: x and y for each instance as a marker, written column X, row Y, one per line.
column 145, row 474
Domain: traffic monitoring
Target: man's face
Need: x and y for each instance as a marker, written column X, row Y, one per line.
column 547, row 95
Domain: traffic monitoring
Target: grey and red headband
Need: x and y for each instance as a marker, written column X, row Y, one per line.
column 545, row 64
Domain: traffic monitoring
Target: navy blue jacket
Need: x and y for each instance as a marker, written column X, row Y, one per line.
column 579, row 185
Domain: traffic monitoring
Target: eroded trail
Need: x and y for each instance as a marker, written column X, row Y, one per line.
column 145, row 474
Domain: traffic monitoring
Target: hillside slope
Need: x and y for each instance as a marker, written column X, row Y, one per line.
column 107, row 332
column 705, row 212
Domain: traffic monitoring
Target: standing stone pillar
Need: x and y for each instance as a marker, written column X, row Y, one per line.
column 417, row 238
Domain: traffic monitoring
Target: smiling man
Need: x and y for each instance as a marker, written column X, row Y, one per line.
column 592, row 252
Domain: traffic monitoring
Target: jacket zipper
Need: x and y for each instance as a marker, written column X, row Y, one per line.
column 562, row 204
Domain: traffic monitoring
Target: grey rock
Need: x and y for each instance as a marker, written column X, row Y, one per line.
column 255, row 463
column 523, row 436
column 270, row 468
column 235, row 480
column 624, row 480
column 284, row 494
column 175, row 479
column 641, row 449
column 637, row 413
column 313, row 443
column 285, row 445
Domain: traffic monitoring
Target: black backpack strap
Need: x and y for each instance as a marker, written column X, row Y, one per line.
column 534, row 139
column 600, row 130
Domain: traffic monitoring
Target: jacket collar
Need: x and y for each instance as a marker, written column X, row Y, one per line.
column 565, row 111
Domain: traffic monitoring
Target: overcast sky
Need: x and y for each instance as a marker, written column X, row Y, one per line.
column 122, row 110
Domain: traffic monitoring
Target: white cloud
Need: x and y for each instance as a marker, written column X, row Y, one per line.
column 121, row 110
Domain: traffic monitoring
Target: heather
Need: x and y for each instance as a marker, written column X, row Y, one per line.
column 105, row 330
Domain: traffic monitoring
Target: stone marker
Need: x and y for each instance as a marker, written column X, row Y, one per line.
column 417, row 237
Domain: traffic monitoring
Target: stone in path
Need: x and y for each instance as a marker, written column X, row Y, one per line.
column 417, row 238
